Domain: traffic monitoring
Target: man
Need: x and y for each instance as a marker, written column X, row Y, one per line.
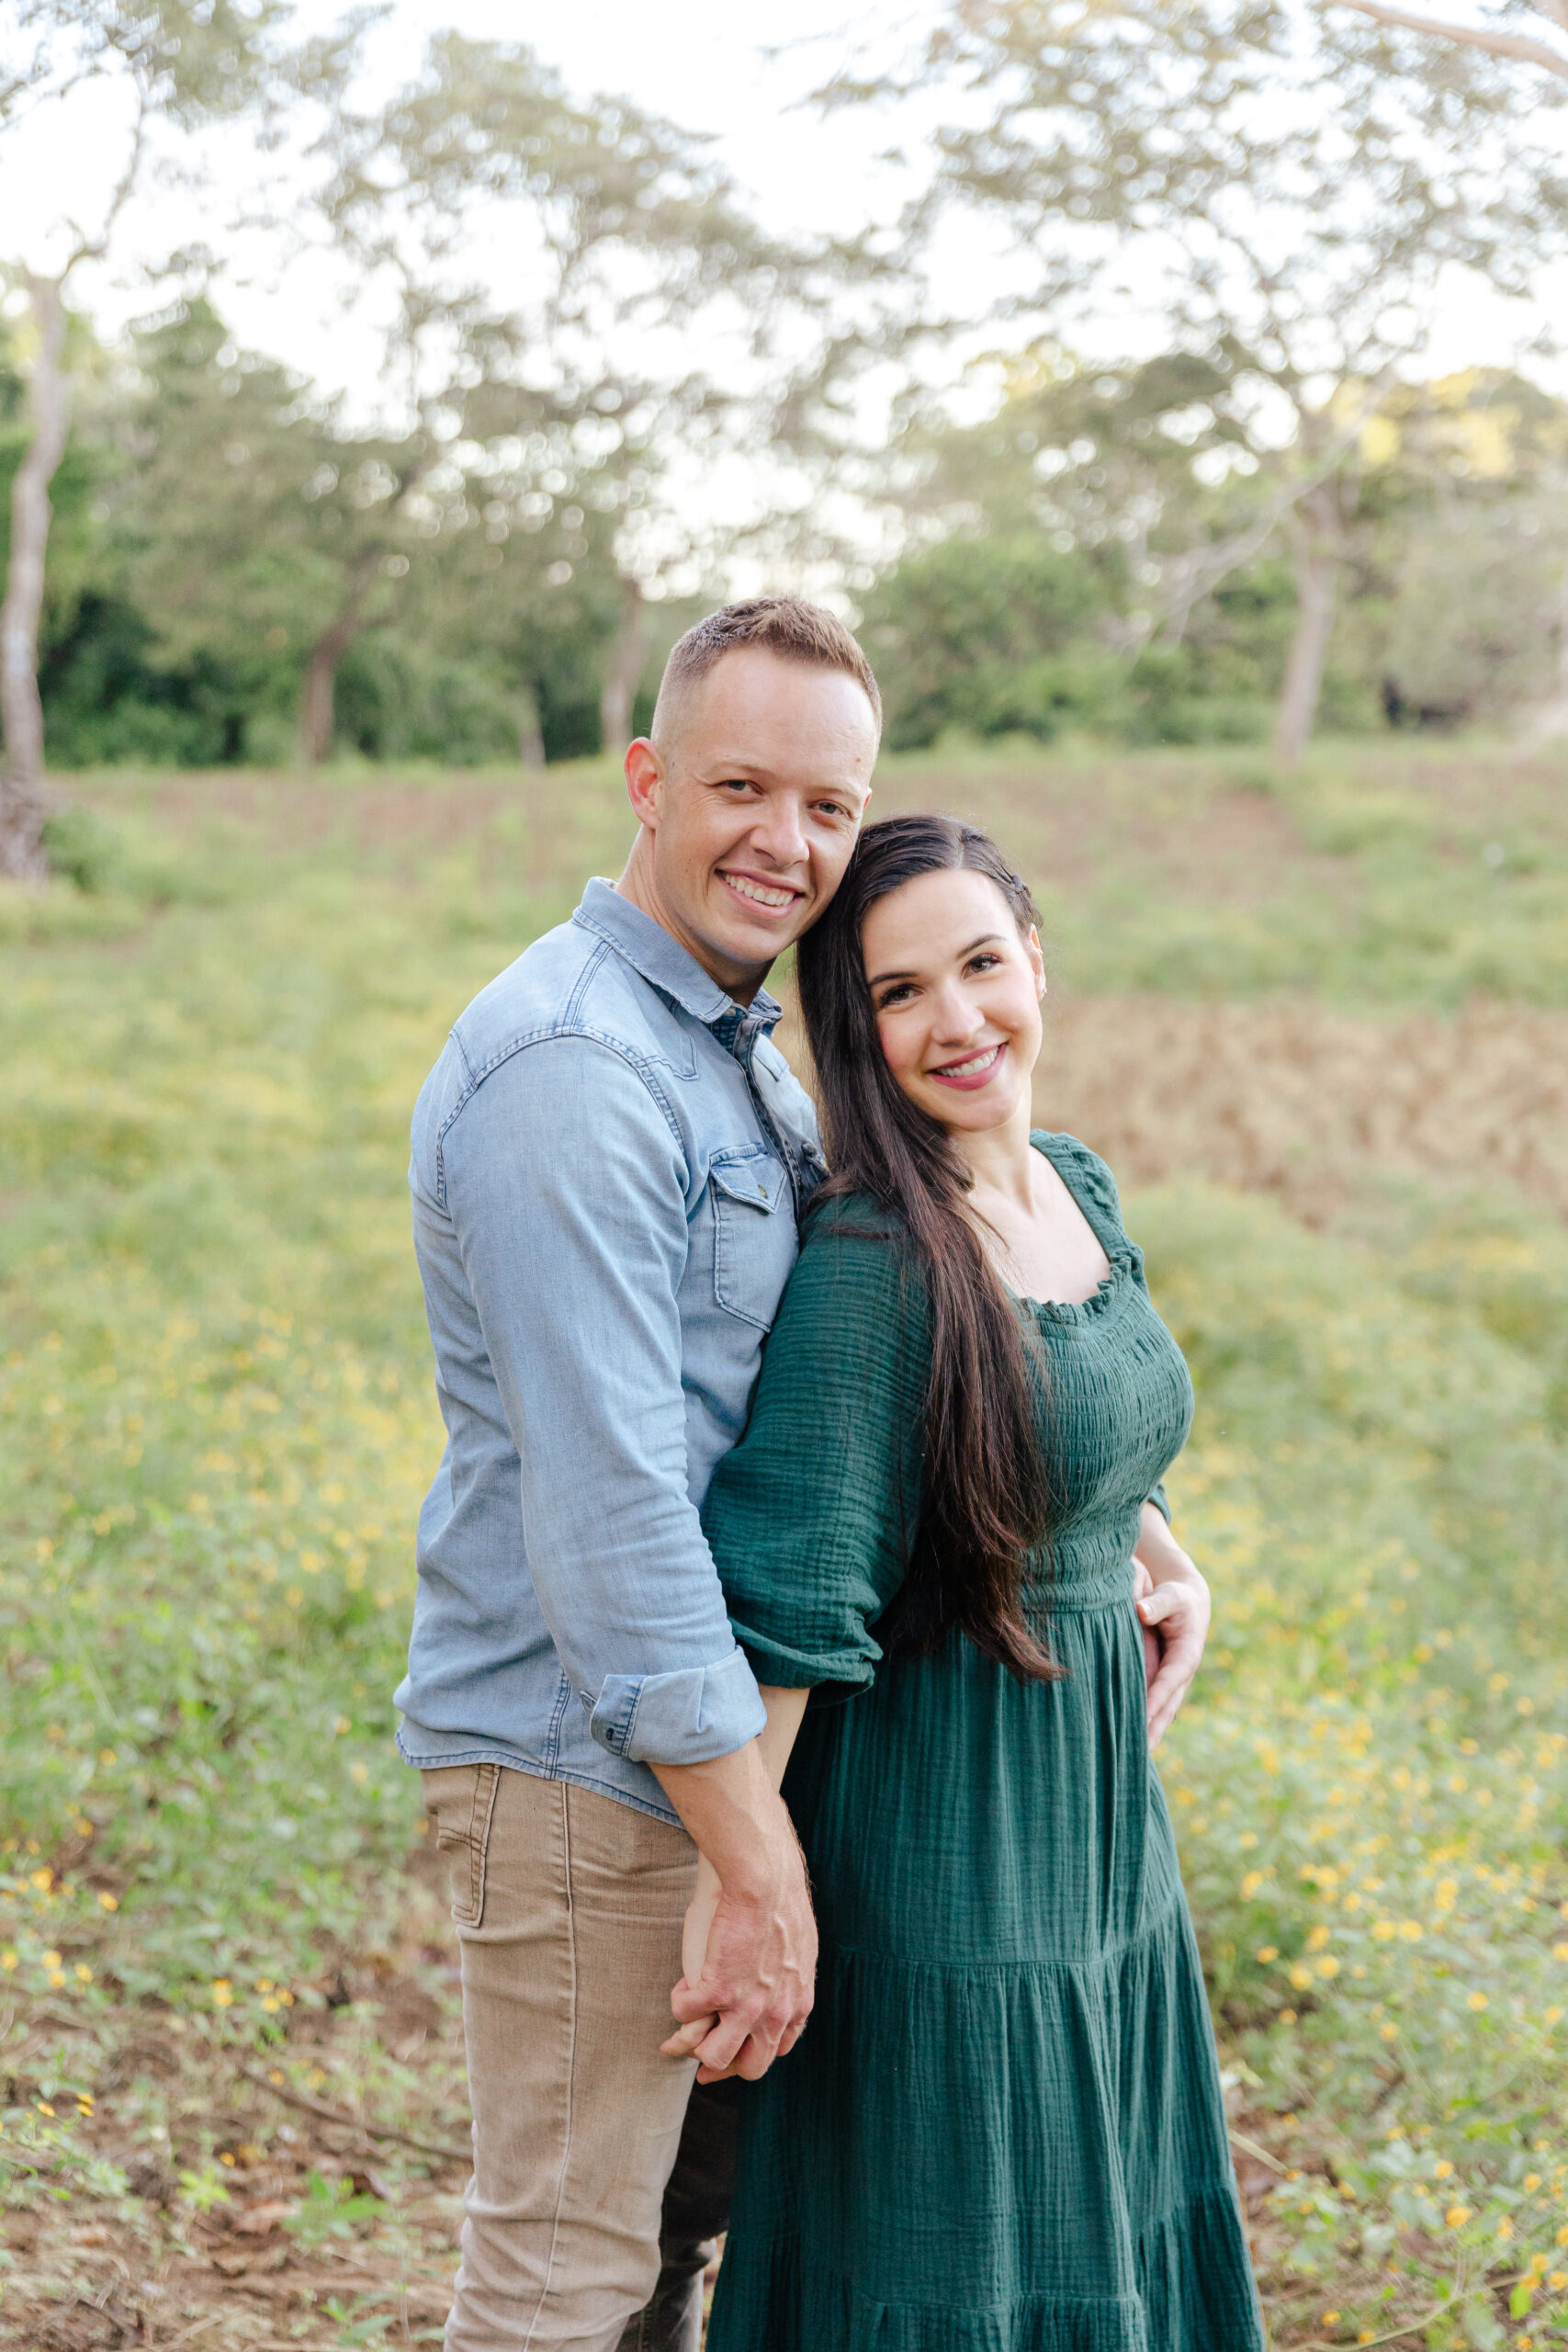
column 609, row 1159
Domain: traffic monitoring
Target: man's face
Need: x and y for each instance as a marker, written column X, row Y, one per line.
column 752, row 809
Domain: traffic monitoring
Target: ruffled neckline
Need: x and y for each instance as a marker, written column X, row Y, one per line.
column 1119, row 1251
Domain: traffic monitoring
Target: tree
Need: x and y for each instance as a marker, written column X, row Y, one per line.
column 991, row 635
column 1495, row 40
column 185, row 62
column 1474, row 470
column 1137, row 490
column 1283, row 194
column 631, row 234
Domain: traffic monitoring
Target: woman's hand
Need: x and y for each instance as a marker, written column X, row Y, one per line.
column 1173, row 1606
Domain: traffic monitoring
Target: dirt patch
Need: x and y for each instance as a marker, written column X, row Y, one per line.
column 1298, row 1100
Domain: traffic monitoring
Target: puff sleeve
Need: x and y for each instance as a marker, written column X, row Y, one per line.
column 812, row 1517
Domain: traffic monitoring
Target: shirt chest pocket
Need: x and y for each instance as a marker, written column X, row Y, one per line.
column 753, row 1232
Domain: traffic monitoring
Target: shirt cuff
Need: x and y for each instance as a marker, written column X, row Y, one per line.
column 688, row 1717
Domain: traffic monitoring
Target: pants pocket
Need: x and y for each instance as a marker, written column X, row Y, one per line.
column 460, row 1801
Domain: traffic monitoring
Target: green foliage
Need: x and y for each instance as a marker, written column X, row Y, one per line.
column 329, row 2210
column 990, row 636
column 1006, row 636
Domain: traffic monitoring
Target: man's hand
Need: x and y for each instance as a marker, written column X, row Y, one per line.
column 1173, row 1606
column 757, row 1982
column 750, row 2004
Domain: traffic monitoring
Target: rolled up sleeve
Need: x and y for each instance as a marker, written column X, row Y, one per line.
column 565, row 1181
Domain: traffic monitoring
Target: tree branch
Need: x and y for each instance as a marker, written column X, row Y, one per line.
column 1534, row 52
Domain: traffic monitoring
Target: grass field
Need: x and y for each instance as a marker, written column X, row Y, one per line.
column 1321, row 1029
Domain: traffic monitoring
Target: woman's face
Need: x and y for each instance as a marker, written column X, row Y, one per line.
column 957, row 993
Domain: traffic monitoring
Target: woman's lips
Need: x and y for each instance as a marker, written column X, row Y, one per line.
column 975, row 1070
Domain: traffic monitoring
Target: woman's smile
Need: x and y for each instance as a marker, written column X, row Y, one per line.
column 977, row 1070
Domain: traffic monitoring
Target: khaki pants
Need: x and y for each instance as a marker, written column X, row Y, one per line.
column 569, row 1908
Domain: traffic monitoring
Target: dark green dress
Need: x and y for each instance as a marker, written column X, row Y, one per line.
column 1002, row 2129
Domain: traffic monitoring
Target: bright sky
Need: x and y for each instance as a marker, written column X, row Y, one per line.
column 703, row 62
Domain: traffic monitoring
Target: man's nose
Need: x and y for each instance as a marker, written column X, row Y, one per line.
column 780, row 833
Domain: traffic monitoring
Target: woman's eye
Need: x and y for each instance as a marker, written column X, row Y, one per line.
column 984, row 963
column 895, row 996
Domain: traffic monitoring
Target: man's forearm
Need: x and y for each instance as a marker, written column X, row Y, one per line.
column 735, row 1818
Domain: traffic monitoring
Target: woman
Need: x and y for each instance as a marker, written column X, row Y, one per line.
column 1002, row 2130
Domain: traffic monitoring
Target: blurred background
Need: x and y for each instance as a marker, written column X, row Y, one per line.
column 1173, row 399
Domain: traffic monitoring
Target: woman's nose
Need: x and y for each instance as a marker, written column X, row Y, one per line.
column 954, row 1016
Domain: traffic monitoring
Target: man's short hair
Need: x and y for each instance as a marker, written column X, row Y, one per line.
column 787, row 626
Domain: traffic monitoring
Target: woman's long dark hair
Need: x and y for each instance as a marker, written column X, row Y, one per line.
column 986, row 1500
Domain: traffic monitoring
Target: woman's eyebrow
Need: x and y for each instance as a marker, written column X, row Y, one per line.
column 874, row 980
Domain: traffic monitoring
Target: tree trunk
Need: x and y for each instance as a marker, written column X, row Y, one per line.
column 1318, row 545
column 317, row 722
column 22, row 800
column 623, row 673
column 530, row 735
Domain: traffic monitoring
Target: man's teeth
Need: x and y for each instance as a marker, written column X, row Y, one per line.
column 969, row 1068
column 764, row 897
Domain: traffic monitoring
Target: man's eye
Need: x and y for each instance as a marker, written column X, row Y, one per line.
column 832, row 808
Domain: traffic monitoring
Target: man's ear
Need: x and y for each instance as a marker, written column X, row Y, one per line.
column 645, row 782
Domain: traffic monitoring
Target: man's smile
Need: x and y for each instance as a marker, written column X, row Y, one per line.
column 774, row 895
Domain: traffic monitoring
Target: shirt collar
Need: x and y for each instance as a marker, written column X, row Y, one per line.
column 647, row 947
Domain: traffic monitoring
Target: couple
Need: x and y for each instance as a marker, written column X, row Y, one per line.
column 748, row 1464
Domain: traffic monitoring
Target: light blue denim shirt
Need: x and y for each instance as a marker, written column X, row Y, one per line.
column 609, row 1159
